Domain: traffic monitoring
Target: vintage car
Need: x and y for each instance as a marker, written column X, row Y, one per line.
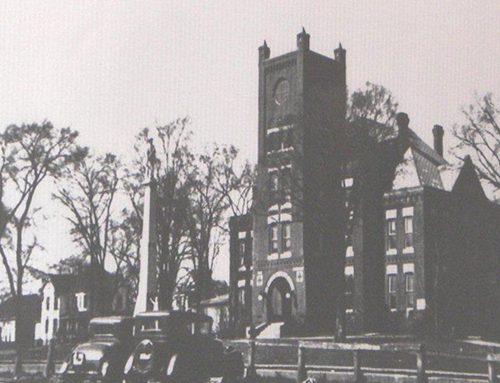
column 103, row 356
column 177, row 346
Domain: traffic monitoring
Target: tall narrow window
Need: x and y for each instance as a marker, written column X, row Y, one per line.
column 47, row 303
column 46, row 326
column 287, row 236
column 81, row 301
column 287, row 139
column 56, row 303
column 410, row 289
column 286, row 180
column 242, row 251
column 273, row 238
column 241, row 296
column 391, row 242
column 273, row 141
column 391, row 291
column 273, row 181
column 408, row 232
column 349, row 291
column 54, row 325
column 349, row 252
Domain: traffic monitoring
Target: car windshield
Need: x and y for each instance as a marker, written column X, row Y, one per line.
column 102, row 329
column 177, row 326
column 117, row 329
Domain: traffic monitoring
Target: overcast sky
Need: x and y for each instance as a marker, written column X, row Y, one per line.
column 110, row 68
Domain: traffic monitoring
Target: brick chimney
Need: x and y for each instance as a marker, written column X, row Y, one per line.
column 402, row 122
column 438, row 132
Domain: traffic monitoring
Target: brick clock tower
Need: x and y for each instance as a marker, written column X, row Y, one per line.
column 302, row 102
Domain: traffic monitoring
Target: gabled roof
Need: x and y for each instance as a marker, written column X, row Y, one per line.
column 427, row 170
column 425, row 150
column 74, row 283
column 467, row 182
column 420, row 166
column 63, row 283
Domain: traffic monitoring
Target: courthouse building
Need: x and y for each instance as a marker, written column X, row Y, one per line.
column 423, row 249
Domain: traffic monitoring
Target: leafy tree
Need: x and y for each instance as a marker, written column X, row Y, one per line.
column 352, row 148
column 31, row 154
column 479, row 137
column 374, row 103
column 370, row 163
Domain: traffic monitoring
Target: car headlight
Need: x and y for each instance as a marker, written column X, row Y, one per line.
column 64, row 367
column 171, row 364
column 104, row 368
column 128, row 365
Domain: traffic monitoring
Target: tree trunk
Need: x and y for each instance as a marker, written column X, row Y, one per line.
column 166, row 290
column 18, row 368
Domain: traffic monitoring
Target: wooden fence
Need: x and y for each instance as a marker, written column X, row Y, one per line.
column 418, row 350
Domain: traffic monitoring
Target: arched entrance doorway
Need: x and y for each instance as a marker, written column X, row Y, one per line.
column 279, row 301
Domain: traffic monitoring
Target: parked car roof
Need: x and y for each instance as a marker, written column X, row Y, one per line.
column 109, row 320
column 191, row 315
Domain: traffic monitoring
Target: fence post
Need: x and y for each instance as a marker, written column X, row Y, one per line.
column 492, row 369
column 421, row 365
column 356, row 361
column 49, row 367
column 301, row 364
column 251, row 373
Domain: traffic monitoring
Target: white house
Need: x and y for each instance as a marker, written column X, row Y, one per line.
column 50, row 307
column 65, row 305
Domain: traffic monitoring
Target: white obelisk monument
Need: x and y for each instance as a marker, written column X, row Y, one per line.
column 148, row 274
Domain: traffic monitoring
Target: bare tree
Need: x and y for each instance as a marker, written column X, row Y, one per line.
column 479, row 137
column 124, row 249
column 217, row 187
column 88, row 195
column 173, row 173
column 31, row 154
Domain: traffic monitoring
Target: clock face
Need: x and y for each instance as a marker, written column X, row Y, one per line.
column 281, row 91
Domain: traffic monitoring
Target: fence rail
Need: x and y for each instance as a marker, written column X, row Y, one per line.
column 357, row 350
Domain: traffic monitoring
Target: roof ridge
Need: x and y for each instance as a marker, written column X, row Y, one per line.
column 424, row 148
